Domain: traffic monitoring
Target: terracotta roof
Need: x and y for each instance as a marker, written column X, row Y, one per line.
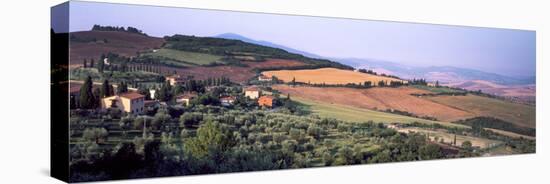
column 268, row 97
column 264, row 77
column 131, row 95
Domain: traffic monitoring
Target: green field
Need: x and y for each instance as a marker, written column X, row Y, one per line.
column 519, row 114
column 187, row 57
column 353, row 114
column 438, row 90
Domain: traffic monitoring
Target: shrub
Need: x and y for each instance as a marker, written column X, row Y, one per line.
column 95, row 134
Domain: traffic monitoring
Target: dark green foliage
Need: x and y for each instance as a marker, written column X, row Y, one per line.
column 430, row 151
column 478, row 123
column 421, row 82
column 220, row 46
column 87, row 98
column 206, row 99
column 115, row 28
column 165, row 92
column 212, row 138
column 190, row 119
column 122, row 88
column 95, row 135
column 106, row 89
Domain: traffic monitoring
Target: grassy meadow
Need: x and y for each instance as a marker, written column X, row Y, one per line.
column 187, row 57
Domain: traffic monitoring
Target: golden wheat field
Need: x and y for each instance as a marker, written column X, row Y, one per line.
column 327, row 76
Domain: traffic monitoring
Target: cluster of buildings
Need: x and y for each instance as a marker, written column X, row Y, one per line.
column 256, row 93
column 133, row 102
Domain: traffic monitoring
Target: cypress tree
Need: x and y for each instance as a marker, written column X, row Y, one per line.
column 105, row 89
column 86, row 95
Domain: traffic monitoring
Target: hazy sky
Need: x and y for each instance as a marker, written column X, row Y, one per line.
column 501, row 51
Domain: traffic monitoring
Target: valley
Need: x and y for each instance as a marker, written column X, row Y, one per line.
column 266, row 107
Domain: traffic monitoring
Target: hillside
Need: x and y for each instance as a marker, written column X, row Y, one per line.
column 327, row 76
column 519, row 114
column 238, row 49
column 201, row 57
column 234, row 36
column 354, row 114
column 445, row 108
column 496, row 89
column 91, row 44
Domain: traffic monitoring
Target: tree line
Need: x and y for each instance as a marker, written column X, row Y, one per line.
column 116, row 28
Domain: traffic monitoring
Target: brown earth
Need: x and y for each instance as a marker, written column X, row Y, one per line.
column 122, row 43
column 519, row 114
column 379, row 99
column 235, row 73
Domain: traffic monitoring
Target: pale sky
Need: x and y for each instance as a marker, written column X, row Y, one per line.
column 502, row 51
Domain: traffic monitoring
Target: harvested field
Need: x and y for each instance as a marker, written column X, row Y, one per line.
column 378, row 99
column 353, row 114
column 519, row 114
column 327, row 76
column 235, row 73
column 122, row 43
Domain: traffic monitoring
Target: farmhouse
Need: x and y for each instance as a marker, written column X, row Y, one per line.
column 264, row 78
column 175, row 79
column 185, row 98
column 252, row 92
column 228, row 100
column 266, row 101
column 130, row 102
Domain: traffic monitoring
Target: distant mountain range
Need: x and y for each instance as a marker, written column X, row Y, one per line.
column 443, row 74
column 234, row 36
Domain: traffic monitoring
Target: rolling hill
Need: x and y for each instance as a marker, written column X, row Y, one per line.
column 446, row 108
column 91, row 44
column 443, row 74
column 234, row 36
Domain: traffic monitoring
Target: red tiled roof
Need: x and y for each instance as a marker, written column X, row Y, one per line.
column 267, row 97
column 131, row 95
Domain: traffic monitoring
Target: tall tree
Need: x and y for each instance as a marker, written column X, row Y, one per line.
column 106, row 89
column 165, row 92
column 91, row 63
column 101, row 63
column 87, row 99
column 122, row 88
